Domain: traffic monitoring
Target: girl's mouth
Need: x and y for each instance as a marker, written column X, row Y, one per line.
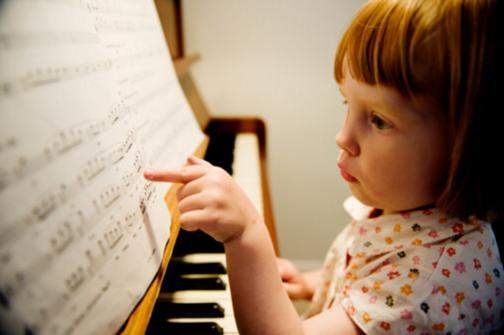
column 347, row 176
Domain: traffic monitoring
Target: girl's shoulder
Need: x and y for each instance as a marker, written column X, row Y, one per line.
column 468, row 260
column 427, row 274
column 464, row 290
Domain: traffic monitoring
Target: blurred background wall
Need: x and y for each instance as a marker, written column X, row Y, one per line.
column 275, row 59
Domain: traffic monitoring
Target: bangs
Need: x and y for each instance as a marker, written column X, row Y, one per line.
column 385, row 44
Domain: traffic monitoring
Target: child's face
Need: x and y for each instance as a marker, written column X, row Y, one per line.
column 395, row 149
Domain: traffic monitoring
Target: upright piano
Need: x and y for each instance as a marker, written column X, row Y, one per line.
column 190, row 293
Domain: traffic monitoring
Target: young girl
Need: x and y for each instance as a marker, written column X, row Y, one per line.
column 419, row 257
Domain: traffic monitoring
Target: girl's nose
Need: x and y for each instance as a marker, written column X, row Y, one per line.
column 345, row 139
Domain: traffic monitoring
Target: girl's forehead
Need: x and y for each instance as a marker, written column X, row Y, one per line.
column 419, row 107
column 382, row 98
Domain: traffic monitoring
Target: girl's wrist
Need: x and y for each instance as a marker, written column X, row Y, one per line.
column 249, row 224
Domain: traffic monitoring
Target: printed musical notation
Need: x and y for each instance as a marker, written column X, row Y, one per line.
column 88, row 99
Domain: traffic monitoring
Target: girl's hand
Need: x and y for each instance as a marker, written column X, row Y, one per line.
column 295, row 283
column 209, row 200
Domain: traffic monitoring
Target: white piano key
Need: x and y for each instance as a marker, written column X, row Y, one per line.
column 204, row 258
column 225, row 303
column 247, row 168
column 188, row 295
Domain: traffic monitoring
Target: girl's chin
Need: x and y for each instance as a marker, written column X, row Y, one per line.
column 358, row 193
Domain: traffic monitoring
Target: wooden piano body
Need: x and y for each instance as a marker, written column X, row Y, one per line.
column 245, row 135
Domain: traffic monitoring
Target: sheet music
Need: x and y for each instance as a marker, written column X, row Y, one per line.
column 88, row 99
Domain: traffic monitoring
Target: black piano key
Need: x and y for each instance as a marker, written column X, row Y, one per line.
column 185, row 268
column 168, row 309
column 220, row 150
column 196, row 242
column 193, row 284
column 182, row 328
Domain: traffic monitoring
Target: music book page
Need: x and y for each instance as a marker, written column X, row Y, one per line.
column 88, row 99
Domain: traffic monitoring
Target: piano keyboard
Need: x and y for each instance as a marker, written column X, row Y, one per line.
column 219, row 296
column 195, row 297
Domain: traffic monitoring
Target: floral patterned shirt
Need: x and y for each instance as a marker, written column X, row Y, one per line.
column 414, row 272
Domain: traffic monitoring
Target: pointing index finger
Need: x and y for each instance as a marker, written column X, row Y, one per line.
column 182, row 175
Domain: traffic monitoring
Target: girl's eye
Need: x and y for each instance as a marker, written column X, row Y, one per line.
column 380, row 124
column 345, row 102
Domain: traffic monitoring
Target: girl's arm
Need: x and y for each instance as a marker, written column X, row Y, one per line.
column 334, row 321
column 261, row 305
column 211, row 200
